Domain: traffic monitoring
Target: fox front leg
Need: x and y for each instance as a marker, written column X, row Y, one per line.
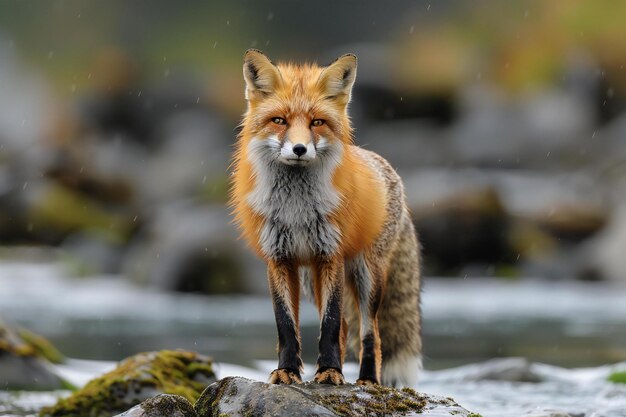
column 285, row 291
column 328, row 287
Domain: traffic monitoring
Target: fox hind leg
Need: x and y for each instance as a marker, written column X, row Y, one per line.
column 366, row 281
column 285, row 291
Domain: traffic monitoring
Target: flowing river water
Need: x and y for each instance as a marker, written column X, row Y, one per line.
column 500, row 348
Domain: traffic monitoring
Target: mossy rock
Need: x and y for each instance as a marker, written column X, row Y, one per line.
column 24, row 343
column 618, row 377
column 41, row 346
column 136, row 379
column 163, row 405
column 25, row 361
column 241, row 397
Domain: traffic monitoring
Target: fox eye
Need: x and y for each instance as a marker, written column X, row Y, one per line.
column 279, row 120
column 317, row 122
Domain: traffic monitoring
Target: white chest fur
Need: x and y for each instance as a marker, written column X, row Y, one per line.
column 295, row 202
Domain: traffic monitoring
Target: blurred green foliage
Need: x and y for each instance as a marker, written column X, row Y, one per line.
column 517, row 44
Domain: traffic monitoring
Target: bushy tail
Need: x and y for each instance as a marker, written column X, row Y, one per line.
column 399, row 317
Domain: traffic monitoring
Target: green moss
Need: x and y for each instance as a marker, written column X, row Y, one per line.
column 134, row 380
column 618, row 377
column 166, row 405
column 41, row 346
column 23, row 342
column 474, row 415
column 374, row 401
column 65, row 210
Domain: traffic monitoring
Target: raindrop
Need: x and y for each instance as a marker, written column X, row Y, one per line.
column 412, row 29
column 270, row 16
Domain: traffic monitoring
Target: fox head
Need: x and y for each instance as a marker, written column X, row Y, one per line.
column 297, row 114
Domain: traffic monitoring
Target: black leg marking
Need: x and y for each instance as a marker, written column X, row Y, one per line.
column 288, row 341
column 368, row 359
column 329, row 348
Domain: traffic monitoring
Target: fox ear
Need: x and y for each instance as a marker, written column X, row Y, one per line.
column 261, row 75
column 337, row 79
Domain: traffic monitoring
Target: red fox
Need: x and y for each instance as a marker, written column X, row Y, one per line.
column 329, row 218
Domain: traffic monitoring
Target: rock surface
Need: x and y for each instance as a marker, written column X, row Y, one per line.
column 24, row 361
column 136, row 379
column 236, row 396
column 161, row 406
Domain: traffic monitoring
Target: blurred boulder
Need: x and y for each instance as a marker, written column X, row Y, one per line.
column 137, row 379
column 195, row 151
column 495, row 217
column 114, row 107
column 499, row 369
column 193, row 247
column 604, row 254
column 546, row 412
column 539, row 131
column 24, row 103
column 403, row 83
column 571, row 206
column 90, row 254
column 191, row 149
column 506, row 369
column 25, row 361
column 468, row 227
column 54, row 211
column 407, row 143
column 242, row 397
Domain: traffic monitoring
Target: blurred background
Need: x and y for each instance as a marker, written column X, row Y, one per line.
column 506, row 121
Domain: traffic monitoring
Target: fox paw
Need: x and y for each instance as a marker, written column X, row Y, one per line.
column 285, row 376
column 366, row 382
column 330, row 376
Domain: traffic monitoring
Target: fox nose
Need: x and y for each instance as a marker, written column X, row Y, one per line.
column 299, row 149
